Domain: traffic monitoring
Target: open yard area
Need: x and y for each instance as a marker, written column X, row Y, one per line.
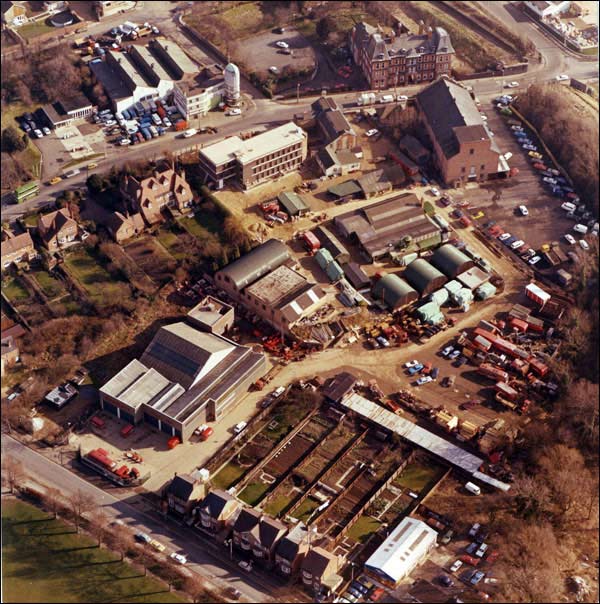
column 49, row 284
column 99, row 284
column 14, row 290
column 44, row 560
column 172, row 243
column 152, row 258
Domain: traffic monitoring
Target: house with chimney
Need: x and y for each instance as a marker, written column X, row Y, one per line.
column 320, row 572
column 16, row 249
column 124, row 226
column 259, row 534
column 217, row 511
column 58, row 229
column 183, row 493
column 164, row 188
column 291, row 551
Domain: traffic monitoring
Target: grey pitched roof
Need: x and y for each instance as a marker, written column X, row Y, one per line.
column 215, row 502
column 290, row 544
column 452, row 115
column 324, row 104
column 338, row 386
column 246, row 521
column 258, row 262
column 270, row 531
column 182, row 486
column 334, row 123
column 316, row 561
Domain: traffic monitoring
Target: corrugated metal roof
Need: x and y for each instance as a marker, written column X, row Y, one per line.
column 421, row 274
column 334, row 271
column 415, row 434
column 394, row 291
column 450, row 260
column 323, row 258
column 292, row 203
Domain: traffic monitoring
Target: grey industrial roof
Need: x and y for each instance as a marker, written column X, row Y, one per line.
column 125, row 62
column 331, row 243
column 334, row 123
column 450, row 260
column 338, row 386
column 255, row 264
column 414, row 148
column 473, row 278
column 394, row 290
column 375, row 182
column 325, row 103
column 357, row 277
column 419, row 273
column 110, row 79
column 178, row 58
column 452, row 115
column 75, row 102
column 292, row 203
column 345, row 189
column 150, row 63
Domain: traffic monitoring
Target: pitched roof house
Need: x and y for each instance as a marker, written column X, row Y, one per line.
column 13, row 13
column 150, row 195
column 17, row 248
column 319, row 571
column 218, row 509
column 291, row 550
column 183, row 493
column 123, row 227
column 57, row 229
column 260, row 534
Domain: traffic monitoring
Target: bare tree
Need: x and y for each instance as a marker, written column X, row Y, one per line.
column 12, row 472
column 98, row 526
column 53, row 500
column 81, row 503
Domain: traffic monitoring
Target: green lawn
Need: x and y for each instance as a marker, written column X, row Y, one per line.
column 363, row 528
column 14, row 290
column 193, row 227
column 306, row 508
column 32, row 30
column 416, row 476
column 172, row 244
column 210, row 220
column 254, row 492
column 45, row 561
column 230, row 474
column 277, row 504
column 245, row 17
column 93, row 277
column 51, row 286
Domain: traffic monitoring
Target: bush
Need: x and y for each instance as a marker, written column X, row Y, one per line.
column 12, row 141
column 209, row 196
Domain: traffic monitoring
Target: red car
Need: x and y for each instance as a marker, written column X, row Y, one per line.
column 540, row 167
column 492, row 557
column 377, row 594
column 470, row 560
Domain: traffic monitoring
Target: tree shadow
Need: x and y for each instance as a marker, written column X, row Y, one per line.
column 104, row 562
column 73, row 549
column 50, row 518
column 139, row 595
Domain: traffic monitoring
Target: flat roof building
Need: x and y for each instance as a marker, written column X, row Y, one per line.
column 255, row 160
column 404, row 549
column 184, row 378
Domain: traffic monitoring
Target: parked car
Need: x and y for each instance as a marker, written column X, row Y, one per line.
column 584, row 245
column 454, row 355
column 247, row 566
column 529, row 147
column 445, row 580
column 371, row 132
column 409, row 364
column 273, row 69
column 178, row 558
column 448, row 350
column 143, row 538
column 534, row 260
column 456, row 566
column 515, row 245
column 524, row 211
column 282, row 44
column 240, row 427
column 513, row 84
column 563, row 77
column 481, row 550
column 504, row 236
column 234, row 111
column 415, row 369
column 424, row 380
column 38, row 133
column 383, row 341
column 474, row 529
column 157, row 545
column 477, row 577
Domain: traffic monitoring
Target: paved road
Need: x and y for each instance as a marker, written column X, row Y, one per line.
column 177, row 538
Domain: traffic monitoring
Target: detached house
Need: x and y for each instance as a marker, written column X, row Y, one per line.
column 151, row 195
column 183, row 493
column 123, row 227
column 16, row 249
column 217, row 511
column 57, row 229
column 259, row 534
column 320, row 571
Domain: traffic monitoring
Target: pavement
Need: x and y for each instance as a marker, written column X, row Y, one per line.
column 204, row 557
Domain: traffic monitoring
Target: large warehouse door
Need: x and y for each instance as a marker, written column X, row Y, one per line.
column 151, row 420
column 127, row 417
column 110, row 408
column 166, row 428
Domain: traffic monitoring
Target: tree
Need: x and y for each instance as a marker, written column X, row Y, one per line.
column 98, row 526
column 81, row 503
column 325, row 26
column 53, row 500
column 12, row 471
column 12, row 141
column 95, row 183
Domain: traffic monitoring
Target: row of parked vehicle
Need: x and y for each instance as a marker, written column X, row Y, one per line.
column 361, row 589
column 28, row 124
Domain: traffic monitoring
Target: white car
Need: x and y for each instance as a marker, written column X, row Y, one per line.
column 581, row 229
column 424, row 380
column 402, row 97
column 124, row 142
column 434, row 191
column 512, row 85
column 410, row 364
column 549, row 180
column 448, row 350
column 281, row 44
column 570, row 239
column 483, row 117
column 247, row 566
column 178, row 558
column 524, row 211
column 534, row 260
column 167, row 122
column 273, row 69
column 563, row 77
column 372, row 132
column 529, row 147
column 239, row 428
column 517, row 128
column 38, row 133
column 234, row 111
column 515, row 245
column 155, row 30
column 504, row 236
column 456, row 566
column 583, row 244
column 46, row 130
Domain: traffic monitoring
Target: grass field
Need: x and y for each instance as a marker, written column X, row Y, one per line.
column 32, row 30
column 244, row 17
column 14, row 290
column 51, row 286
column 45, row 561
column 305, row 509
column 416, row 476
column 172, row 244
column 363, row 528
column 93, row 277
column 230, row 473
column 194, row 227
column 277, row 504
column 253, row 493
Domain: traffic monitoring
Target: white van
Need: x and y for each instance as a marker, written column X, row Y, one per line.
column 568, row 206
column 473, row 488
column 387, row 98
column 580, row 228
column 189, row 133
column 239, row 428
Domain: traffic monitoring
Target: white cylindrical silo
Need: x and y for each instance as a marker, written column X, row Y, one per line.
column 232, row 84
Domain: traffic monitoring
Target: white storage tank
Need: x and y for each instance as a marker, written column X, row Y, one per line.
column 232, row 84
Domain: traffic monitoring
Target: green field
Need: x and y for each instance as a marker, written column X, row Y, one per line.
column 44, row 560
column 93, row 277
column 277, row 504
column 195, row 228
column 253, row 493
column 172, row 244
column 363, row 528
column 230, row 474
column 32, row 30
column 51, row 286
column 14, row 290
column 305, row 509
column 245, row 17
column 416, row 476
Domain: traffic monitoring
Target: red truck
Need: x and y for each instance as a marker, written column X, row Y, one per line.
column 493, row 372
column 311, row 241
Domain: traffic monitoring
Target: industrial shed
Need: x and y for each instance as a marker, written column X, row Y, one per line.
column 331, row 243
column 261, row 260
column 395, row 292
column 292, row 203
column 451, row 261
column 348, row 189
column 424, row 277
column 356, row 276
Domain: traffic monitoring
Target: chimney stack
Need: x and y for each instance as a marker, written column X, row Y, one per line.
column 429, row 33
column 421, row 27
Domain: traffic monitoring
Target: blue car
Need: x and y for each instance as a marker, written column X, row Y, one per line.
column 359, row 587
column 477, row 577
column 509, row 241
column 415, row 369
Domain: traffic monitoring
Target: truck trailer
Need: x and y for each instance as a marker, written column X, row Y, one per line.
column 493, row 372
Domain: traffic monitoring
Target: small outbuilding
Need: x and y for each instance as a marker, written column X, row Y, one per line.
column 424, row 277
column 356, row 276
column 394, row 292
column 292, row 203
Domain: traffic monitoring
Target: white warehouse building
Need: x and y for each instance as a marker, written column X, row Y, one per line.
column 404, row 549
